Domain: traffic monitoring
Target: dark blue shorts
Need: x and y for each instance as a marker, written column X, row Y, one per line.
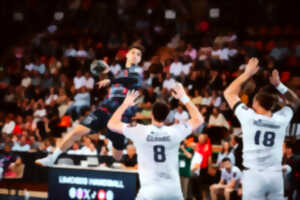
column 97, row 121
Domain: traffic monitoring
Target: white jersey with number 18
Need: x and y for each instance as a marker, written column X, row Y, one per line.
column 263, row 136
column 157, row 150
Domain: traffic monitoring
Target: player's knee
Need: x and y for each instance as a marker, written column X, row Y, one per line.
column 80, row 131
column 212, row 188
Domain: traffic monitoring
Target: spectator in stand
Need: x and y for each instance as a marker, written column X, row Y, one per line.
column 89, row 81
column 52, row 97
column 293, row 179
column 129, row 160
column 217, row 119
column 230, row 180
column 21, row 144
column 190, row 51
column 168, row 83
column 78, row 80
column 204, row 148
column 82, row 101
column 176, row 67
column 237, row 147
column 6, row 159
column 88, row 148
column 181, row 115
column 9, row 125
column 75, row 150
column 197, row 99
column 185, row 158
column 225, row 153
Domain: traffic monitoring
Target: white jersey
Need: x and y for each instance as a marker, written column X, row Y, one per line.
column 157, row 150
column 263, row 136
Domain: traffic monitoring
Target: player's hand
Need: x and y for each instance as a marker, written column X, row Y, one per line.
column 252, row 67
column 275, row 79
column 103, row 83
column 178, row 91
column 130, row 98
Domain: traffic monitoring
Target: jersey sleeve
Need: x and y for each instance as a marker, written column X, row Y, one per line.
column 133, row 132
column 287, row 112
column 242, row 112
column 182, row 130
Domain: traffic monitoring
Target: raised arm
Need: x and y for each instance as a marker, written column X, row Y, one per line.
column 290, row 96
column 196, row 118
column 115, row 123
column 231, row 93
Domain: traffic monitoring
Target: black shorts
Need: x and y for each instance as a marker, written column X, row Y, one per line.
column 97, row 120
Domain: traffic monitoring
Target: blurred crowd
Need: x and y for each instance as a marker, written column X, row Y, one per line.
column 46, row 88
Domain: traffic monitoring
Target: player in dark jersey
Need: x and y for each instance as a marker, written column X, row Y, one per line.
column 130, row 78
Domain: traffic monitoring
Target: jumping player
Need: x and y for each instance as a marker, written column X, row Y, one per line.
column 263, row 135
column 130, row 78
column 157, row 146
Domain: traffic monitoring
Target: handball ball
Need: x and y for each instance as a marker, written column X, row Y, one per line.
column 99, row 67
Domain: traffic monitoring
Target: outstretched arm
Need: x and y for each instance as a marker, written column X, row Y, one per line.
column 290, row 96
column 115, row 123
column 196, row 118
column 231, row 93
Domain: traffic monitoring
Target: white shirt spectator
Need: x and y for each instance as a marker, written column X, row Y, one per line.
column 87, row 151
column 206, row 101
column 40, row 68
column 218, row 121
column 89, row 83
column 186, row 68
column 74, row 152
column 217, row 102
column 8, row 127
column 29, row 66
column 51, row 98
column 70, row 52
column 169, row 83
column 82, row 53
column 181, row 117
column 115, row 69
column 232, row 52
column 192, row 53
column 40, row 113
column 26, row 82
column 224, row 54
column 235, row 173
column 22, row 148
column 78, row 82
column 176, row 68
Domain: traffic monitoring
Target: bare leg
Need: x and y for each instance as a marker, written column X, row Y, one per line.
column 227, row 193
column 72, row 137
column 117, row 154
column 213, row 192
column 65, row 143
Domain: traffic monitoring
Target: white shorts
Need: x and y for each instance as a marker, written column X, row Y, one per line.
column 262, row 185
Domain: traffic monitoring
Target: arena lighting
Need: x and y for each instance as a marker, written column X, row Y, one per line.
column 214, row 13
column 58, row 16
column 18, row 16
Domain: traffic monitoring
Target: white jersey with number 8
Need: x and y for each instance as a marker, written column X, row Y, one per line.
column 157, row 150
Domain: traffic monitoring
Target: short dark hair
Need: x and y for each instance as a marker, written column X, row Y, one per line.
column 160, row 111
column 137, row 46
column 266, row 100
column 226, row 159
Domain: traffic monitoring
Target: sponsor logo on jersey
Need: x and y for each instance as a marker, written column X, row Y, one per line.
column 263, row 123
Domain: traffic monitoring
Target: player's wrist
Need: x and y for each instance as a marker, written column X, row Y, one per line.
column 281, row 88
column 184, row 99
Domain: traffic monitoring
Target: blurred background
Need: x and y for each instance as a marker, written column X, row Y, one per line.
column 46, row 87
